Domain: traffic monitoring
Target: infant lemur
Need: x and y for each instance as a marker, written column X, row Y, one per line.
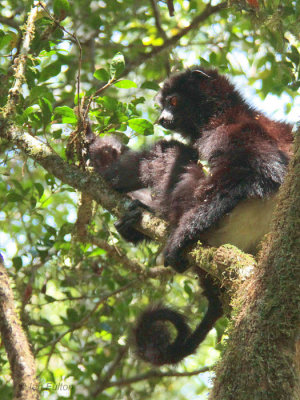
column 247, row 154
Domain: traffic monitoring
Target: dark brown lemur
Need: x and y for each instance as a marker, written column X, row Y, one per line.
column 247, row 154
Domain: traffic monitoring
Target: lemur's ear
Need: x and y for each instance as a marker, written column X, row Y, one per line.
column 200, row 74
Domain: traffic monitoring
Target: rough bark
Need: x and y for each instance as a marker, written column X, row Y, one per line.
column 15, row 341
column 16, row 344
column 214, row 261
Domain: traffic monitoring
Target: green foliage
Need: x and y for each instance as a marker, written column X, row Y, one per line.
column 60, row 6
column 141, row 125
column 101, row 74
column 77, row 304
column 117, row 66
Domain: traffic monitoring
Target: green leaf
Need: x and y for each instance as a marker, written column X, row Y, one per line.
column 60, row 5
column 101, row 74
column 117, row 66
column 50, row 180
column 47, row 110
column 57, row 134
column 141, row 125
column 204, row 63
column 288, row 108
column 17, row 262
column 294, row 55
column 138, row 100
column 18, row 186
column 109, row 103
column 72, row 315
column 49, row 299
column 40, row 188
column 30, row 110
column 51, row 70
column 125, row 84
column 39, row 92
column 13, row 197
column 6, row 39
column 97, row 252
column 187, row 288
column 66, row 113
column 150, row 85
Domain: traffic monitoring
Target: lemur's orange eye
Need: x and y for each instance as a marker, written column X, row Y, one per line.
column 174, row 101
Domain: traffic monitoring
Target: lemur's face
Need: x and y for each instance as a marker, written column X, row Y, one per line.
column 170, row 116
column 183, row 103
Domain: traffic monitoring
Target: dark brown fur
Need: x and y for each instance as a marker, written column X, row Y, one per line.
column 247, row 154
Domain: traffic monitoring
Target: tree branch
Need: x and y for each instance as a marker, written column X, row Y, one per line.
column 105, row 382
column 157, row 20
column 225, row 259
column 119, row 256
column 9, row 22
column 80, row 324
column 208, row 11
column 156, row 374
column 94, row 186
column 20, row 64
column 16, row 343
column 170, row 7
column 84, row 217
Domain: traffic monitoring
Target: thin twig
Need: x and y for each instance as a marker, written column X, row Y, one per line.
column 119, row 256
column 170, row 7
column 74, row 36
column 80, row 323
column 105, row 382
column 157, row 19
column 91, row 98
column 156, row 374
column 208, row 11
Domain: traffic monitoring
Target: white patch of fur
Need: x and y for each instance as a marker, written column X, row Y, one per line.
column 244, row 226
column 167, row 115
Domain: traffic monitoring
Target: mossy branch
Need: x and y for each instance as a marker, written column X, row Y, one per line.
column 15, row 341
column 214, row 261
column 20, row 64
column 16, row 344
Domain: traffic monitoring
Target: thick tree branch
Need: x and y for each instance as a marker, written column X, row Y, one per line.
column 20, row 64
column 17, row 347
column 16, row 343
column 214, row 261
